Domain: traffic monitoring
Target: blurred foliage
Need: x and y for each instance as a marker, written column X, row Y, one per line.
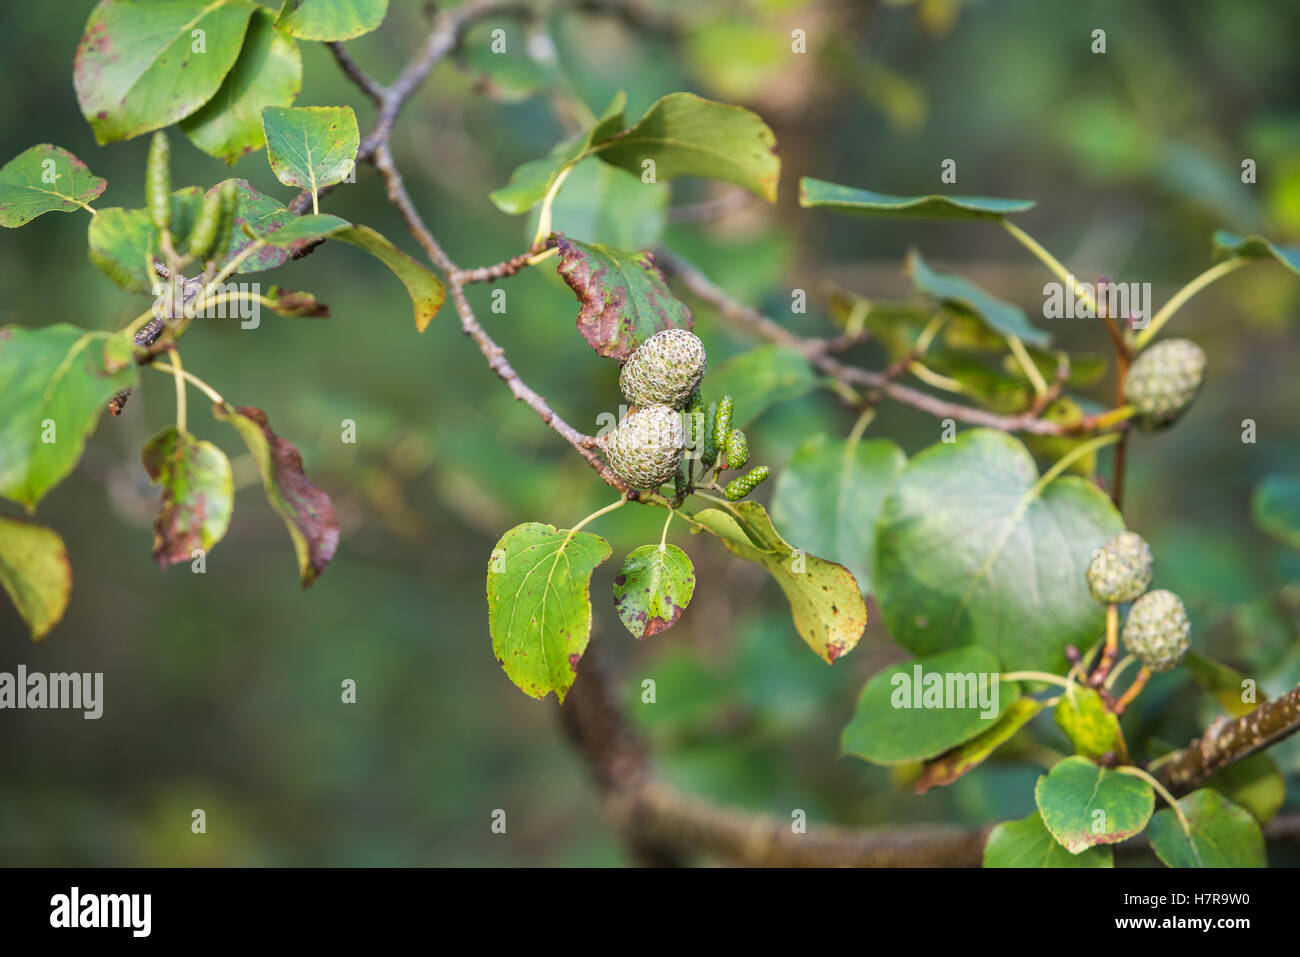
column 222, row 690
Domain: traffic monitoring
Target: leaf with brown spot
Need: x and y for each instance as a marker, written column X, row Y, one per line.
column 308, row 512
column 1084, row 805
column 44, row 179
column 825, row 601
column 198, row 494
column 539, row 604
column 624, row 299
column 653, row 588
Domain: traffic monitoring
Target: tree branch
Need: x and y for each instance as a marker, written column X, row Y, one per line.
column 817, row 352
column 1226, row 742
column 664, row 825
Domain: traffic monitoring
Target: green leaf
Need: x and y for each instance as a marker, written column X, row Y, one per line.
column 958, row 761
column 267, row 73
column 308, row 512
column 1092, row 728
column 760, row 378
column 34, row 570
column 686, row 135
column 1086, row 368
column 1226, row 685
column 56, row 385
column 973, row 548
column 921, row 708
column 120, row 241
column 1275, row 507
column 1218, row 834
column 1255, row 783
column 1027, row 843
column 653, row 588
column 530, row 183
column 262, row 214
column 827, row 606
column 604, row 204
column 425, row 289
column 963, row 296
column 311, row 146
column 623, row 298
column 682, row 133
column 539, row 607
column 831, row 493
column 137, row 67
column 198, row 494
column 861, row 202
column 1230, row 246
column 330, row 19
column 44, row 179
column 301, row 230
column 1084, row 805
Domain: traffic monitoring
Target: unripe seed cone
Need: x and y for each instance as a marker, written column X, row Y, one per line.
column 665, row 370
column 1122, row 570
column 1164, row 380
column 646, row 448
column 1157, row 630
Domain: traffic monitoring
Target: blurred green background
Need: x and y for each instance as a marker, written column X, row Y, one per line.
column 222, row 690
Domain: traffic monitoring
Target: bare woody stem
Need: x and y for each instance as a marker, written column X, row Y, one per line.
column 818, row 352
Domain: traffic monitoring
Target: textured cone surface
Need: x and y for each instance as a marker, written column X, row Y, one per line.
column 1157, row 630
column 665, row 370
column 1164, row 380
column 646, row 448
column 1122, row 570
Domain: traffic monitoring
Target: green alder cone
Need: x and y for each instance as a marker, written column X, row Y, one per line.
column 722, row 422
column 158, row 181
column 1157, row 630
column 646, row 448
column 710, row 436
column 1163, row 381
column 1122, row 570
column 737, row 449
column 738, row 488
column 665, row 370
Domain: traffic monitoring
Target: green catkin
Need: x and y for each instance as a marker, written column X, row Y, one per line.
column 158, row 181
column 680, row 482
column 203, row 237
column 229, row 193
column 740, row 487
column 737, row 449
column 721, row 426
column 710, row 443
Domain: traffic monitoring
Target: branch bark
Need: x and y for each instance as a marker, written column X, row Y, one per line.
column 819, row 356
column 1226, row 742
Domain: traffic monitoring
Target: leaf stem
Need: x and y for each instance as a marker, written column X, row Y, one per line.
column 544, row 218
column 1119, row 670
column 591, row 518
column 193, row 380
column 1072, row 456
column 1181, row 296
column 1160, row 789
column 1043, row 676
column 1028, row 365
column 663, row 539
column 1051, row 262
column 178, row 374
